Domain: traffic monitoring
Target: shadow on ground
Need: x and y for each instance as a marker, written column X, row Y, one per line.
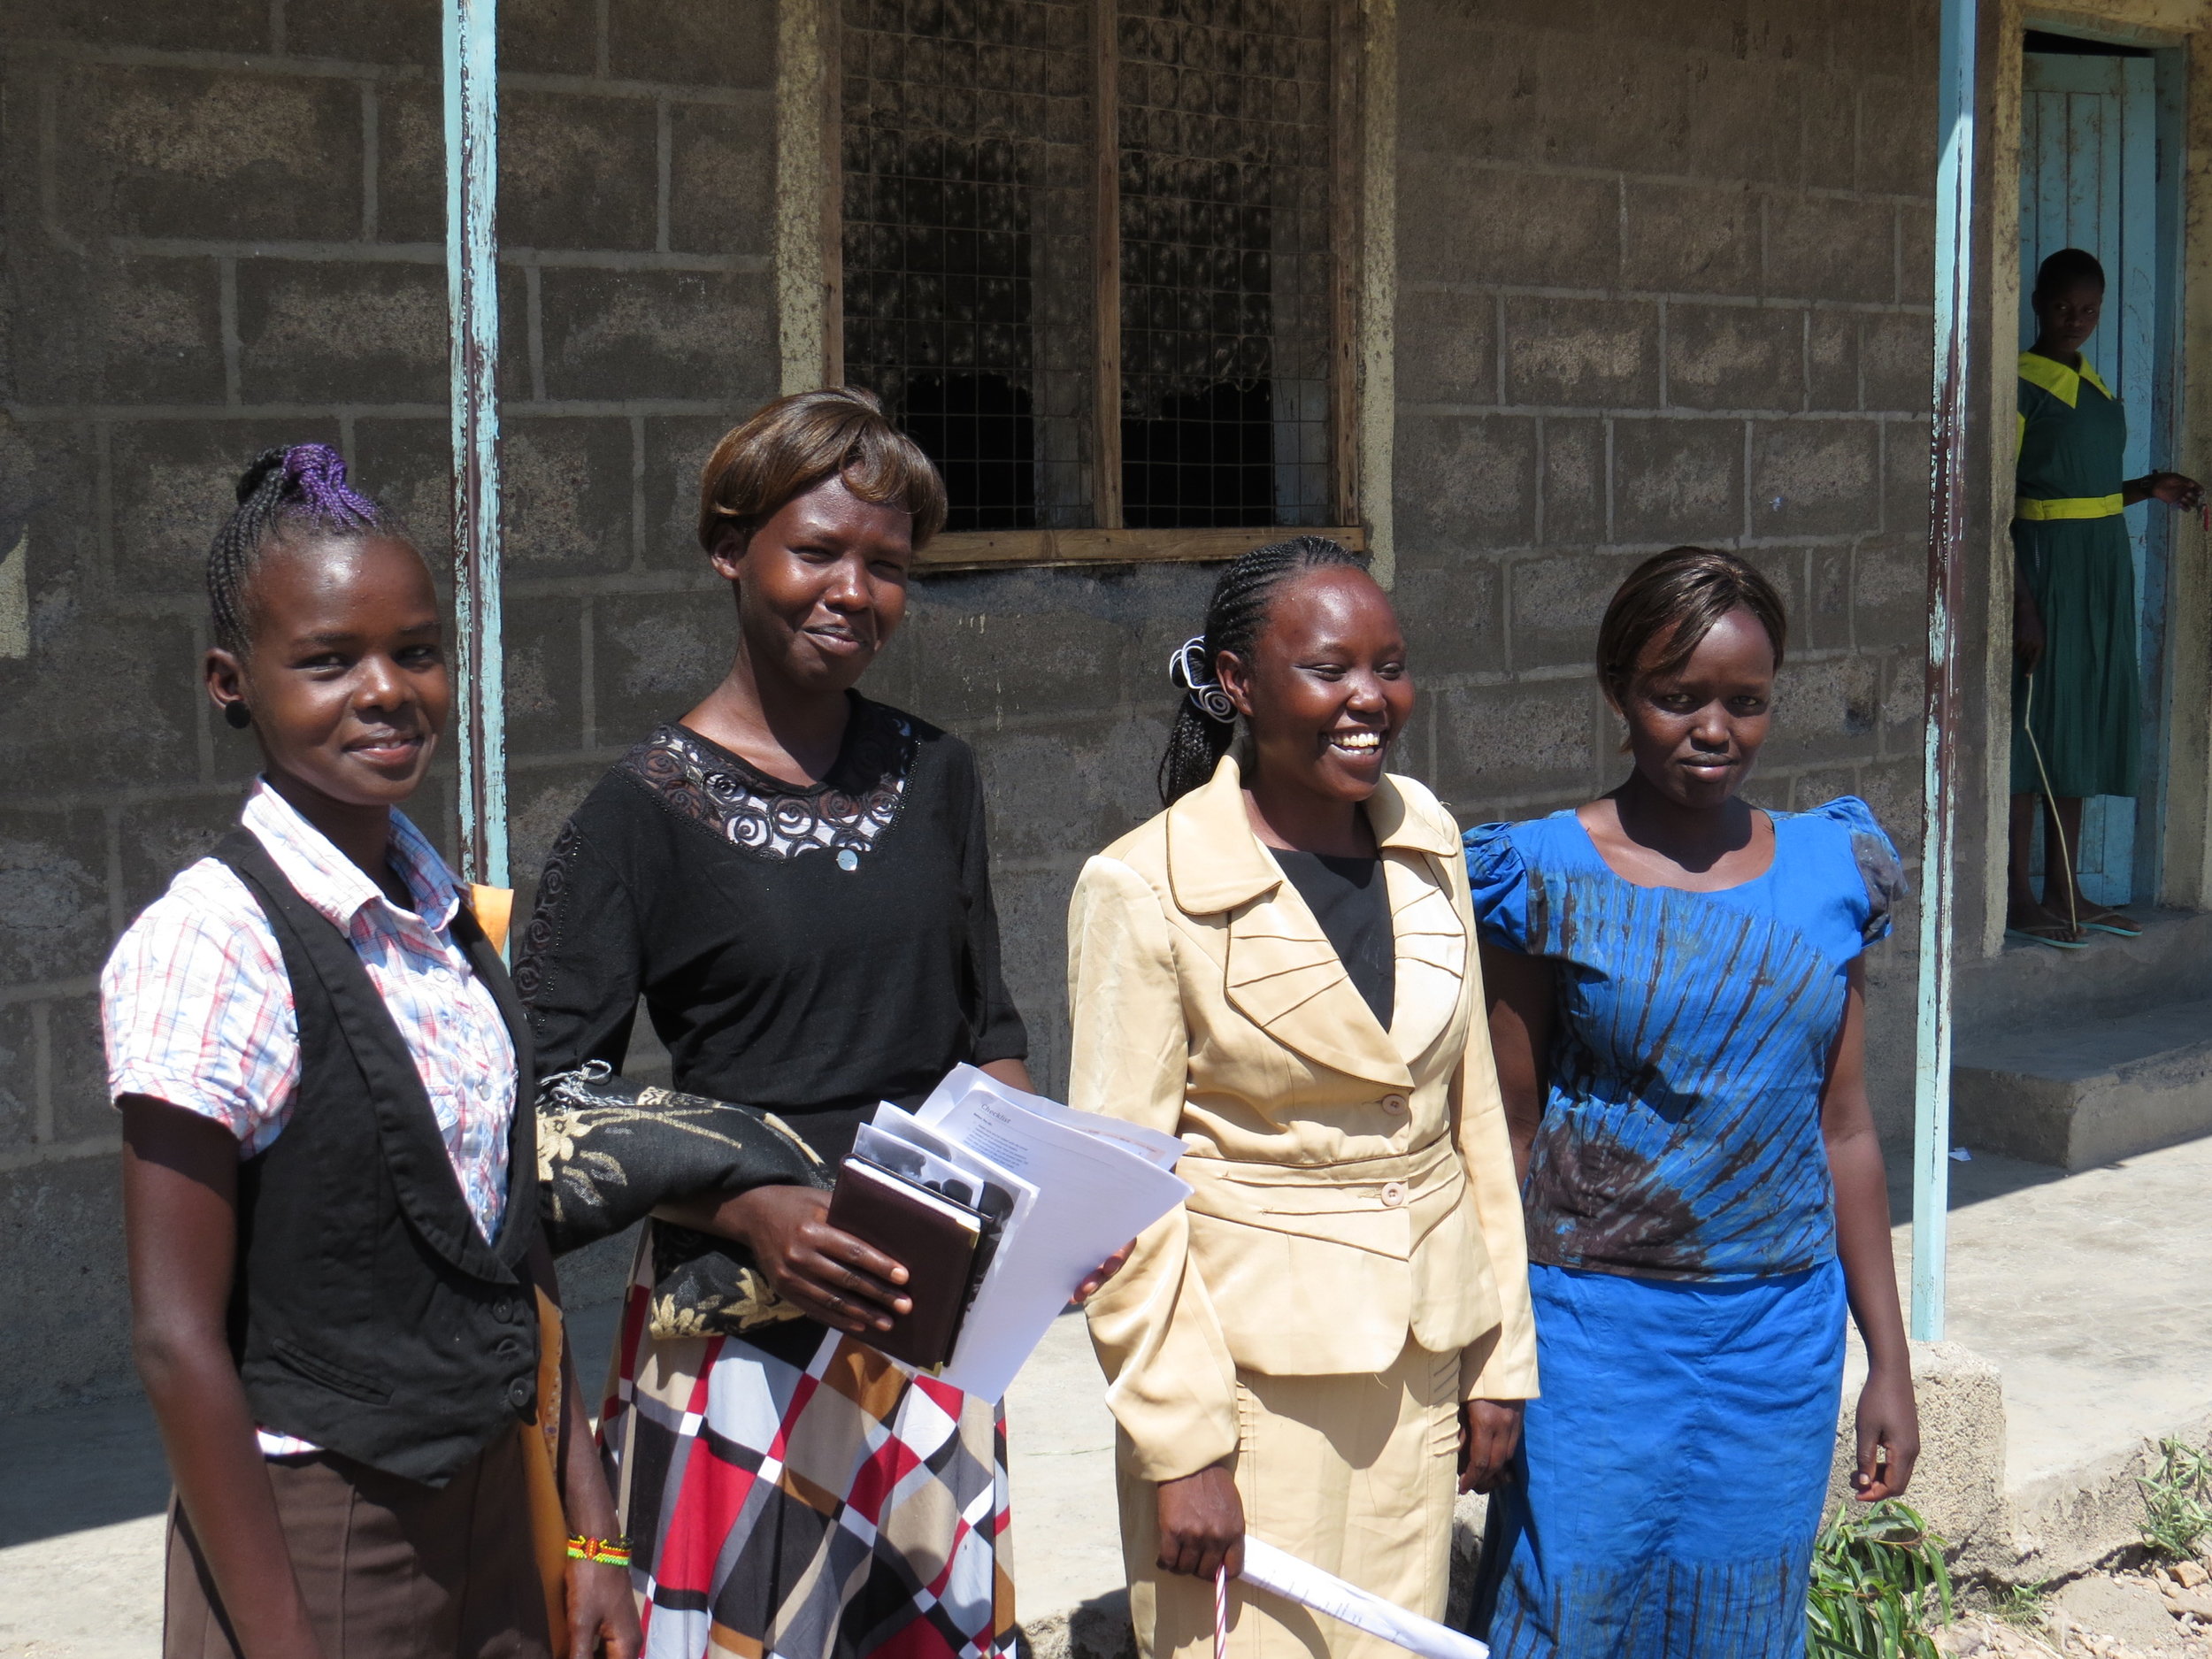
column 93, row 1465
column 1987, row 1177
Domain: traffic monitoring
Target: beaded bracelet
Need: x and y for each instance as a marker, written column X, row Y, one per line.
column 609, row 1552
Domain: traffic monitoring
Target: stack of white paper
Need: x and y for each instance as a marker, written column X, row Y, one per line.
column 1019, row 1157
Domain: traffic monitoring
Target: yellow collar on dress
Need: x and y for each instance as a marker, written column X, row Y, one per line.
column 1216, row 863
column 2059, row 380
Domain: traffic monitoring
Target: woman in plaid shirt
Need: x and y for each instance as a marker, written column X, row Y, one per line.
column 331, row 1196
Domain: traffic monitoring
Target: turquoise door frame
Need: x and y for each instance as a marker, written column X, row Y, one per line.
column 2089, row 165
column 472, row 241
column 1950, row 490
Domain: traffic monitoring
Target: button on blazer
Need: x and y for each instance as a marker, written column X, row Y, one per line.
column 1352, row 1186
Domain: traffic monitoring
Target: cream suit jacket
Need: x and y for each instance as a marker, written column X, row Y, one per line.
column 1352, row 1186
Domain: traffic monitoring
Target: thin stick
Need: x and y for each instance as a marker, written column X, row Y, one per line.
column 2066, row 859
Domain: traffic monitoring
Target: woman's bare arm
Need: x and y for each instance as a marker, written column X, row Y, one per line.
column 602, row 1612
column 1522, row 990
column 180, row 1227
column 1887, row 1416
column 1013, row 1073
column 2175, row 489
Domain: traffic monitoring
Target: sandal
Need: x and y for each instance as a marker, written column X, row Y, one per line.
column 2055, row 934
column 2113, row 922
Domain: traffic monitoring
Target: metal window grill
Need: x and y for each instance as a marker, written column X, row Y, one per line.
column 967, row 246
column 1225, row 120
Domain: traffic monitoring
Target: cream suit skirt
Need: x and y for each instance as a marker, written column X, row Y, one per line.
column 1353, row 1474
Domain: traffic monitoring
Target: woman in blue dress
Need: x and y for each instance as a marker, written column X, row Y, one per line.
column 1677, row 1014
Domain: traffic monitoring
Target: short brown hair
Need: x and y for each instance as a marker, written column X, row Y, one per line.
column 797, row 443
column 1677, row 596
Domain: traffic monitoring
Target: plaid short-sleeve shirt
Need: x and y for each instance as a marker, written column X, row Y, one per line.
column 197, row 1010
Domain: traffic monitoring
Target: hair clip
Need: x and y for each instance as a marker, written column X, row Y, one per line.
column 1186, row 667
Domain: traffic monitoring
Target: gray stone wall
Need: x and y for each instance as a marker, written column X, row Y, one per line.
column 1664, row 277
column 223, row 229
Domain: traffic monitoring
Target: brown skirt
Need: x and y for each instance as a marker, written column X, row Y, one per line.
column 390, row 1569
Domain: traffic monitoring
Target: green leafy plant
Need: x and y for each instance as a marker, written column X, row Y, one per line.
column 2022, row 1605
column 2178, row 1500
column 1879, row 1586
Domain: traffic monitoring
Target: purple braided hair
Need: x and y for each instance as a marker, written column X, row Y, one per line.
column 304, row 483
column 318, row 473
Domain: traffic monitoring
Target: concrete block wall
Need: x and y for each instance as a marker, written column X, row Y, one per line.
column 1664, row 277
column 223, row 229
column 1059, row 679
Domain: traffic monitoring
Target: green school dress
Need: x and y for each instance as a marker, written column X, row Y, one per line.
column 2073, row 551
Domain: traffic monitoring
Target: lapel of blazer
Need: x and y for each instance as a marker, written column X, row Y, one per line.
column 1280, row 971
column 1431, row 933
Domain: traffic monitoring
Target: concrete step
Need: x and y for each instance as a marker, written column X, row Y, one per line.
column 2081, row 1090
column 2024, row 984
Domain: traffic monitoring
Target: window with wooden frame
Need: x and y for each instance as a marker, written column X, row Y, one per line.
column 1098, row 257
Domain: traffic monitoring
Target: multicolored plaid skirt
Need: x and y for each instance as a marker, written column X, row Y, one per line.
column 794, row 1494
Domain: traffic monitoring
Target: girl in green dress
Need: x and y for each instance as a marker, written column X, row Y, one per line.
column 2074, row 679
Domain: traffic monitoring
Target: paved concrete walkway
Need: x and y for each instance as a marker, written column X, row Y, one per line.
column 2093, row 1293
column 81, row 1496
column 2089, row 1293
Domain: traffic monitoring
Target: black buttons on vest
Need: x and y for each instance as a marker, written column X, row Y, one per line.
column 522, row 1393
column 503, row 1311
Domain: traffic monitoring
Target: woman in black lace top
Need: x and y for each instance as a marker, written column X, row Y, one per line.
column 794, row 878
column 809, row 949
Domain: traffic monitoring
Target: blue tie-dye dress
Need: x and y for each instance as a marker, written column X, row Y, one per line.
column 1689, row 1306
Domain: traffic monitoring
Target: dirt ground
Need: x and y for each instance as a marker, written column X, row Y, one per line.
column 2143, row 1613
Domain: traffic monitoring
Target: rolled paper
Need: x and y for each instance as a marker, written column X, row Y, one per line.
column 1269, row 1568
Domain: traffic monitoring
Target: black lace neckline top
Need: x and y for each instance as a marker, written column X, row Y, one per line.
column 810, row 950
column 845, row 814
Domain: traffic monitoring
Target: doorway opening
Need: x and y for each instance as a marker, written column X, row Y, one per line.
column 2099, row 131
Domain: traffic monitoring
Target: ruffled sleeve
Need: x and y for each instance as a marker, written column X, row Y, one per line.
column 1497, row 880
column 1881, row 872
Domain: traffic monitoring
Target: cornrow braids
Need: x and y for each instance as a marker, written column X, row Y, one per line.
column 302, row 486
column 1235, row 617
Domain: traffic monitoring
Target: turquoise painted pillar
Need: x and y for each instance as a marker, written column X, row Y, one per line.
column 472, row 246
column 1949, row 491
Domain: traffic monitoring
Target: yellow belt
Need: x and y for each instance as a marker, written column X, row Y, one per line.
column 2074, row 507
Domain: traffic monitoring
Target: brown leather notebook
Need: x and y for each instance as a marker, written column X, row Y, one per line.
column 934, row 1238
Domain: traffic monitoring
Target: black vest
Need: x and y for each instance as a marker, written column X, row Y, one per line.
column 367, row 1313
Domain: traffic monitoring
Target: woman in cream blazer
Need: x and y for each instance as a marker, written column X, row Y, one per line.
column 1351, row 1267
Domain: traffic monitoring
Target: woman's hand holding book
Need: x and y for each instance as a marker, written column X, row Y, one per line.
column 825, row 1273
